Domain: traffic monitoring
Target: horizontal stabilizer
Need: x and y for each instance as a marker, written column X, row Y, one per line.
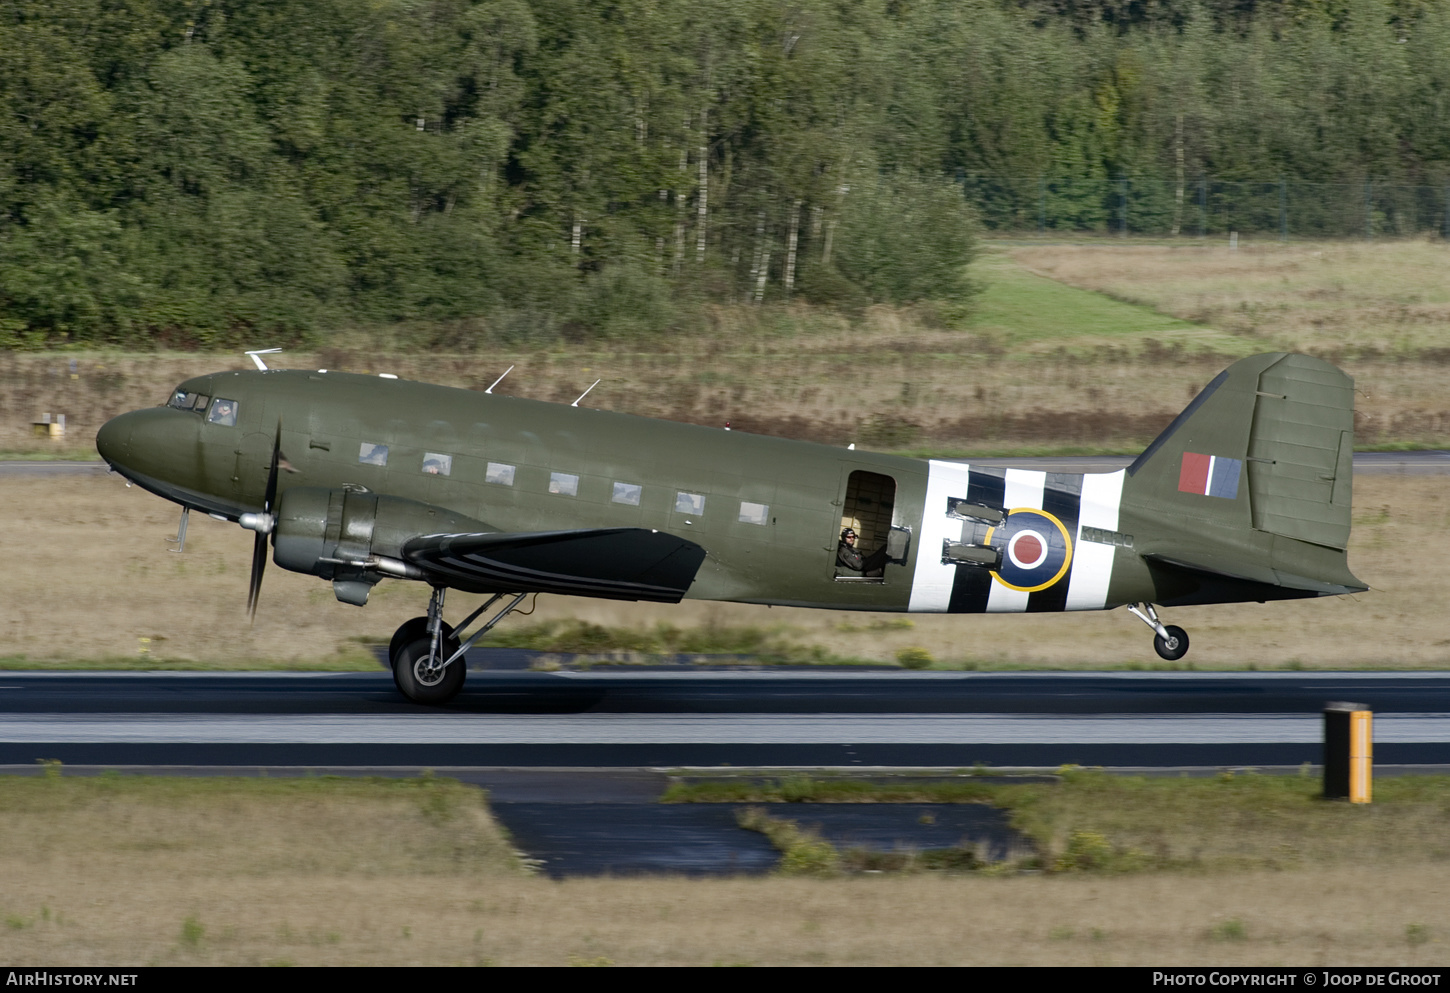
column 617, row 563
column 1272, row 584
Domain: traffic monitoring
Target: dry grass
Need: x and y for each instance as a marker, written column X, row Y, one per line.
column 1243, row 821
column 1089, row 819
column 1042, row 366
column 1350, row 297
column 88, row 575
column 102, row 917
column 229, row 828
column 890, row 384
column 119, row 871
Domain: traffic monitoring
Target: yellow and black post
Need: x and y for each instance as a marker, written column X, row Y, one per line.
column 1348, row 751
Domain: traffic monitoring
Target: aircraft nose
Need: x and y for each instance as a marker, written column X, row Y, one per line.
column 113, row 441
column 156, row 443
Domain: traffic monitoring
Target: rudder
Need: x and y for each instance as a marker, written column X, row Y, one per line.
column 1301, row 451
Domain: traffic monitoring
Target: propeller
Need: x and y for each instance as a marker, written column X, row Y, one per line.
column 263, row 523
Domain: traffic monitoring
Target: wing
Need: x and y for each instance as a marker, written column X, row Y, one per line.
column 618, row 563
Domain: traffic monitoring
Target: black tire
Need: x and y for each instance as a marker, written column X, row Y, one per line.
column 1176, row 645
column 409, row 631
column 409, row 672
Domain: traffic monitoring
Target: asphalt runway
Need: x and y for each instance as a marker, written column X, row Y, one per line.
column 700, row 719
column 1426, row 463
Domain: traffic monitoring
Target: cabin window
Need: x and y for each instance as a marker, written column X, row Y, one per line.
column 370, row 454
column 627, row 493
column 754, row 513
column 437, row 465
column 564, row 483
column 690, row 503
column 499, row 473
column 199, row 402
column 223, row 412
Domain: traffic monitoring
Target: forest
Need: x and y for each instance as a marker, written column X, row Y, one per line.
column 198, row 173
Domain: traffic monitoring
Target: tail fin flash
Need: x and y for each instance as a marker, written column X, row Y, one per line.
column 1254, row 478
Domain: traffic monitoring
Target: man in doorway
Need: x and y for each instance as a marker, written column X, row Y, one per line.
column 847, row 557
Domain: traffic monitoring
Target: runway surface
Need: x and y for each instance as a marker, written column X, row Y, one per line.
column 674, row 719
column 1435, row 463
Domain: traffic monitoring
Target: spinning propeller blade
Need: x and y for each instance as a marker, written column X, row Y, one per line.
column 266, row 521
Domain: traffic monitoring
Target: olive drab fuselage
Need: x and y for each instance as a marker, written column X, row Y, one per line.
column 768, row 512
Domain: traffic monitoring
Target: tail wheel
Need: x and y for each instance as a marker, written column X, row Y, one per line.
column 1173, row 647
column 422, row 678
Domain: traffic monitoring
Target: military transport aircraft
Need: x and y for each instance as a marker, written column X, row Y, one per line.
column 356, row 478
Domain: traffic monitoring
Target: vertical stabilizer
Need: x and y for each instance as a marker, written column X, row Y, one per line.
column 1253, row 480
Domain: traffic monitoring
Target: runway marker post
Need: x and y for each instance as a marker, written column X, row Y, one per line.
column 1348, row 751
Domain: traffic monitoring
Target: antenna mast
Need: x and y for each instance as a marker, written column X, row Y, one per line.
column 499, row 379
column 586, row 392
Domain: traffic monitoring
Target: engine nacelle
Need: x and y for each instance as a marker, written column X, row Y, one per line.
column 355, row 537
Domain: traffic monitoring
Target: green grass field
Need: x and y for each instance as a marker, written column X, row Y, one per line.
column 1023, row 311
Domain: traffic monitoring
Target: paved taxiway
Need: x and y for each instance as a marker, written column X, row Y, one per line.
column 671, row 719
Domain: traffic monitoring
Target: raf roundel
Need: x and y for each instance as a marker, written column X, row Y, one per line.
column 1036, row 550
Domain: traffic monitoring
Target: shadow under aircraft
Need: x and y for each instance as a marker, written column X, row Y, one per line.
column 1245, row 496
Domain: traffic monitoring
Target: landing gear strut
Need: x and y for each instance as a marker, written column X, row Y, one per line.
column 1170, row 641
column 427, row 656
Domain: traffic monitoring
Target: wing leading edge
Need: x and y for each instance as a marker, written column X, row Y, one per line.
column 616, row 563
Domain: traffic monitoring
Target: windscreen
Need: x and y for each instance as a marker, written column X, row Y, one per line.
column 187, row 400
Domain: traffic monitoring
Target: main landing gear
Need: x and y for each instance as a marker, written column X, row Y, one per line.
column 427, row 655
column 1169, row 641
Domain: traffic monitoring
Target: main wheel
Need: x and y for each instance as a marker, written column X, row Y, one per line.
column 409, row 631
column 420, row 676
column 1175, row 646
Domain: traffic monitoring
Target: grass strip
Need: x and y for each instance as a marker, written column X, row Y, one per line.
column 229, row 826
column 1090, row 820
column 803, row 852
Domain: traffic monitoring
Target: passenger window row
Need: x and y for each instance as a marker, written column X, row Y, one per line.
column 564, row 484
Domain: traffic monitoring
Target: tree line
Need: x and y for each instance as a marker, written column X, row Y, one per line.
column 203, row 172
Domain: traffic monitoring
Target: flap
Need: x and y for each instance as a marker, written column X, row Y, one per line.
column 618, row 563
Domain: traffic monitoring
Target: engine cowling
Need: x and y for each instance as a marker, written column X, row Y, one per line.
column 355, row 537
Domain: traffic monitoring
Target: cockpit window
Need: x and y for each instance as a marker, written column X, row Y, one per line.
column 223, row 412
column 185, row 400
